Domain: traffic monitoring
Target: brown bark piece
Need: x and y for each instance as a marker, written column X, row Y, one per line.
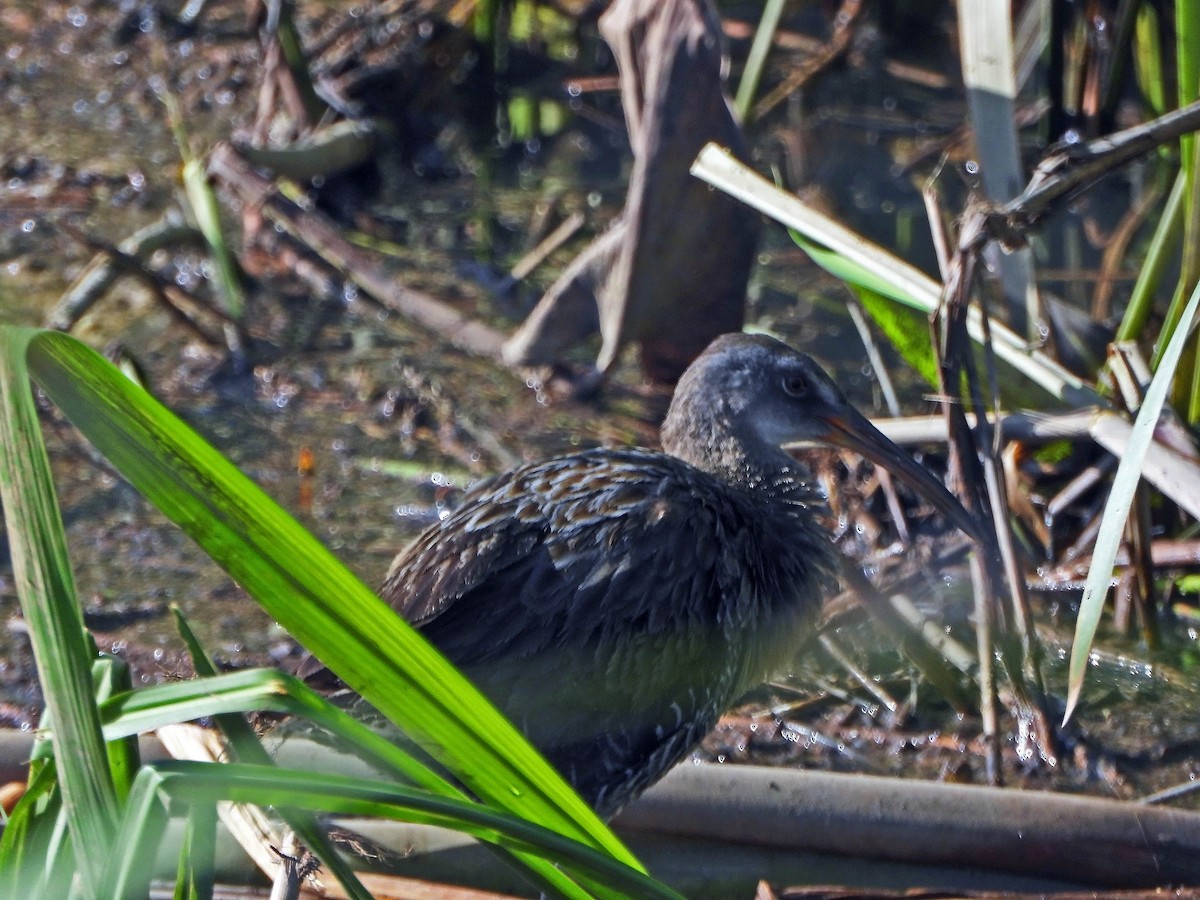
column 671, row 273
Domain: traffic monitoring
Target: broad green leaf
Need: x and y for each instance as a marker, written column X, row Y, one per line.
column 247, row 748
column 224, row 696
column 862, row 276
column 46, row 588
column 191, row 783
column 309, row 591
column 907, row 329
column 899, row 312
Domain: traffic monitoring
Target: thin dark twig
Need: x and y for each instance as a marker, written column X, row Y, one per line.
column 843, row 31
column 1069, row 169
column 865, row 681
column 974, row 464
column 893, row 406
column 180, row 304
column 950, row 340
column 1031, row 653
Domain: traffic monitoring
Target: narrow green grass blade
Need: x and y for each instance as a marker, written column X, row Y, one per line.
column 207, row 212
column 191, row 782
column 268, row 690
column 46, row 589
column 200, row 852
column 131, row 865
column 247, row 749
column 182, row 882
column 111, row 675
column 1148, row 60
column 309, row 591
column 33, row 859
column 1187, row 61
column 197, row 857
column 1116, row 509
column 303, row 701
column 265, row 690
column 756, row 59
column 1163, row 246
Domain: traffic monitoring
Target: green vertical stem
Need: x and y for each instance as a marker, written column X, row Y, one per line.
column 1186, row 392
column 297, row 62
column 1164, row 244
column 1148, row 60
column 112, row 677
column 201, row 850
column 1187, row 43
column 483, row 21
column 1189, row 374
column 756, row 61
column 1145, row 593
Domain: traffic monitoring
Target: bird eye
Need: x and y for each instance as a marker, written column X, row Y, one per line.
column 795, row 385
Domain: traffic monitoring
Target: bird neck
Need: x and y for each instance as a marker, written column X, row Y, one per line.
column 713, row 441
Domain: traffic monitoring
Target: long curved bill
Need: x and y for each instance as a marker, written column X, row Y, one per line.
column 851, row 429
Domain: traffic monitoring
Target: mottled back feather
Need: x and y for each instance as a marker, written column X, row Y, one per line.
column 566, row 589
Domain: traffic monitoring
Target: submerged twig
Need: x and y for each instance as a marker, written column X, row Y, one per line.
column 186, row 309
column 865, row 681
column 555, row 239
column 948, row 682
column 110, row 264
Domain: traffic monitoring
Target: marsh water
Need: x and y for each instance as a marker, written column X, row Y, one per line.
column 396, row 422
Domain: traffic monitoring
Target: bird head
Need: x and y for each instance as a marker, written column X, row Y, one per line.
column 750, row 394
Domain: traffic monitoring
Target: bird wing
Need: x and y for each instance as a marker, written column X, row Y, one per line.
column 566, row 553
